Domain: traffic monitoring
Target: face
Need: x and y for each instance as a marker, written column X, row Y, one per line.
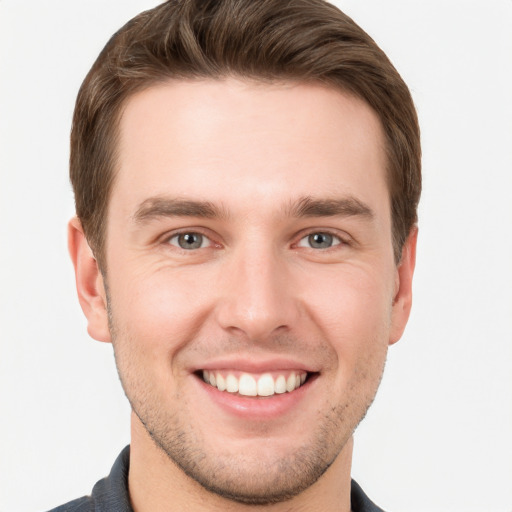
column 251, row 283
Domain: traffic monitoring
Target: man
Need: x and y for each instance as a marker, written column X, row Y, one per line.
column 246, row 177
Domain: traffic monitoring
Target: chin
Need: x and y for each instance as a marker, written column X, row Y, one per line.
column 262, row 479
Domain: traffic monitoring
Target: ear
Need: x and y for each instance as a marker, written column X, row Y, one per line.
column 402, row 301
column 89, row 283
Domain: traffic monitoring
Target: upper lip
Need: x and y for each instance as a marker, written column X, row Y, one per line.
column 254, row 365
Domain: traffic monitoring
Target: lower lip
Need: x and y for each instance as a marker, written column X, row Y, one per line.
column 254, row 407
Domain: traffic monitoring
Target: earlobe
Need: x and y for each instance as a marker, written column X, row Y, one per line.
column 89, row 283
column 403, row 297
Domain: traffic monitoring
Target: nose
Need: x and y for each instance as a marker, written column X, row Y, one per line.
column 257, row 295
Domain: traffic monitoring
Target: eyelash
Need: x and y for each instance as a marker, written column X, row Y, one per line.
column 336, row 239
column 204, row 237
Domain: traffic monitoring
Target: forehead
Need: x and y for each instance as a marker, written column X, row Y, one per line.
column 233, row 141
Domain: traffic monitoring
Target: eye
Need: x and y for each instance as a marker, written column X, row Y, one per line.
column 190, row 241
column 319, row 240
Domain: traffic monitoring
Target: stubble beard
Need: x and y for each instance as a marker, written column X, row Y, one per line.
column 256, row 480
column 260, row 480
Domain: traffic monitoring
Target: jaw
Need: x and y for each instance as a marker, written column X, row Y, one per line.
column 233, row 449
column 156, row 478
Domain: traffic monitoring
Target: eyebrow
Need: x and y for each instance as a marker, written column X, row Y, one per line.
column 304, row 207
column 343, row 207
column 156, row 207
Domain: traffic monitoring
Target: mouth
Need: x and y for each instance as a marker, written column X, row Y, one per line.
column 255, row 385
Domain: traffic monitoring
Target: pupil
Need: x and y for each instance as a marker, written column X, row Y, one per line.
column 320, row 240
column 190, row 241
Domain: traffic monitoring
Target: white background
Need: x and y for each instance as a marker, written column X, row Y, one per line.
column 439, row 436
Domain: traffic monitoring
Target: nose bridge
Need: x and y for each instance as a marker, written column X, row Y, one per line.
column 257, row 296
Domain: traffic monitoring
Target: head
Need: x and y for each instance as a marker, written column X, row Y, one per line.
column 299, row 41
column 246, row 177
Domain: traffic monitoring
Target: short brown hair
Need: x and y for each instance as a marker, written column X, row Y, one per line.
column 297, row 40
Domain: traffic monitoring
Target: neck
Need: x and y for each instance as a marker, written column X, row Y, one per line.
column 156, row 484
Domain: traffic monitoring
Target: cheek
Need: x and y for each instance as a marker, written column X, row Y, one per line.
column 161, row 311
column 152, row 319
column 351, row 301
column 353, row 311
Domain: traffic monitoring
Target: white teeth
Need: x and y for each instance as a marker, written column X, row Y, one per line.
column 280, row 385
column 290, row 383
column 221, row 382
column 266, row 385
column 232, row 384
column 248, row 385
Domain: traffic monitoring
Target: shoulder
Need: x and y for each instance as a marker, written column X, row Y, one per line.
column 84, row 504
column 110, row 494
column 360, row 502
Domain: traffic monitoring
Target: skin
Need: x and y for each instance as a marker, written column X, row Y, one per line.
column 255, row 293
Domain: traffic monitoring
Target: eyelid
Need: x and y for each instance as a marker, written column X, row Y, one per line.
column 342, row 238
column 205, row 241
column 206, row 234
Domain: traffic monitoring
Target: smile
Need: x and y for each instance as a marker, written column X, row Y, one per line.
column 247, row 384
